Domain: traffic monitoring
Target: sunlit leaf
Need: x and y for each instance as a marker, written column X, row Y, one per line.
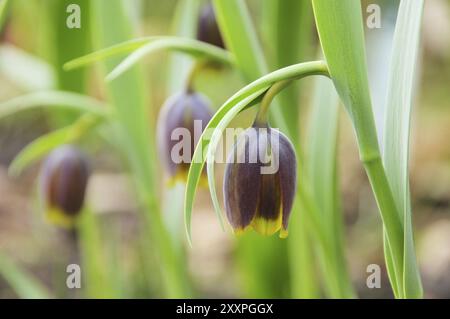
column 397, row 129
column 340, row 27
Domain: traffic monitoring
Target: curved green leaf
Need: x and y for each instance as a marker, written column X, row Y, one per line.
column 139, row 48
column 340, row 27
column 53, row 99
column 112, row 51
column 258, row 86
column 46, row 143
column 193, row 47
column 4, row 4
column 397, row 125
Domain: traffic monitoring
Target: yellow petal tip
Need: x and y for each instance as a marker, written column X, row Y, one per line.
column 57, row 217
column 266, row 227
column 283, row 233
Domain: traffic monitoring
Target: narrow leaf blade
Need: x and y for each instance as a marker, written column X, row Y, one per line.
column 397, row 125
column 53, row 99
column 24, row 284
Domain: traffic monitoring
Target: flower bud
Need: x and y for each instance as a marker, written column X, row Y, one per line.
column 182, row 120
column 260, row 181
column 207, row 29
column 63, row 182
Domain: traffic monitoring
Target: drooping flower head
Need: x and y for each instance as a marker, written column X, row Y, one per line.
column 207, row 28
column 260, row 181
column 63, row 182
column 183, row 118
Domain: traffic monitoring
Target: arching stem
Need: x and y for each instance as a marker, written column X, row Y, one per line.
column 196, row 68
column 261, row 117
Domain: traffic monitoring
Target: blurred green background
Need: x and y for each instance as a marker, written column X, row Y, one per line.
column 34, row 45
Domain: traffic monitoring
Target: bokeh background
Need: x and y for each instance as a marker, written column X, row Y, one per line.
column 27, row 63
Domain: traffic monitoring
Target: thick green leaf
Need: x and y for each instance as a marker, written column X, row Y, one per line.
column 23, row 283
column 258, row 86
column 55, row 100
column 4, row 4
column 61, row 44
column 129, row 96
column 340, row 27
column 397, row 129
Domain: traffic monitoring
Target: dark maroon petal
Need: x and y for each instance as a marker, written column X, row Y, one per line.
column 170, row 118
column 72, row 181
column 181, row 111
column 287, row 176
column 269, row 197
column 64, row 179
column 242, row 182
column 207, row 30
column 201, row 115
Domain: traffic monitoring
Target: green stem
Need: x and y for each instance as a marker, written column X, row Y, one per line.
column 192, row 75
column 393, row 225
column 262, row 115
